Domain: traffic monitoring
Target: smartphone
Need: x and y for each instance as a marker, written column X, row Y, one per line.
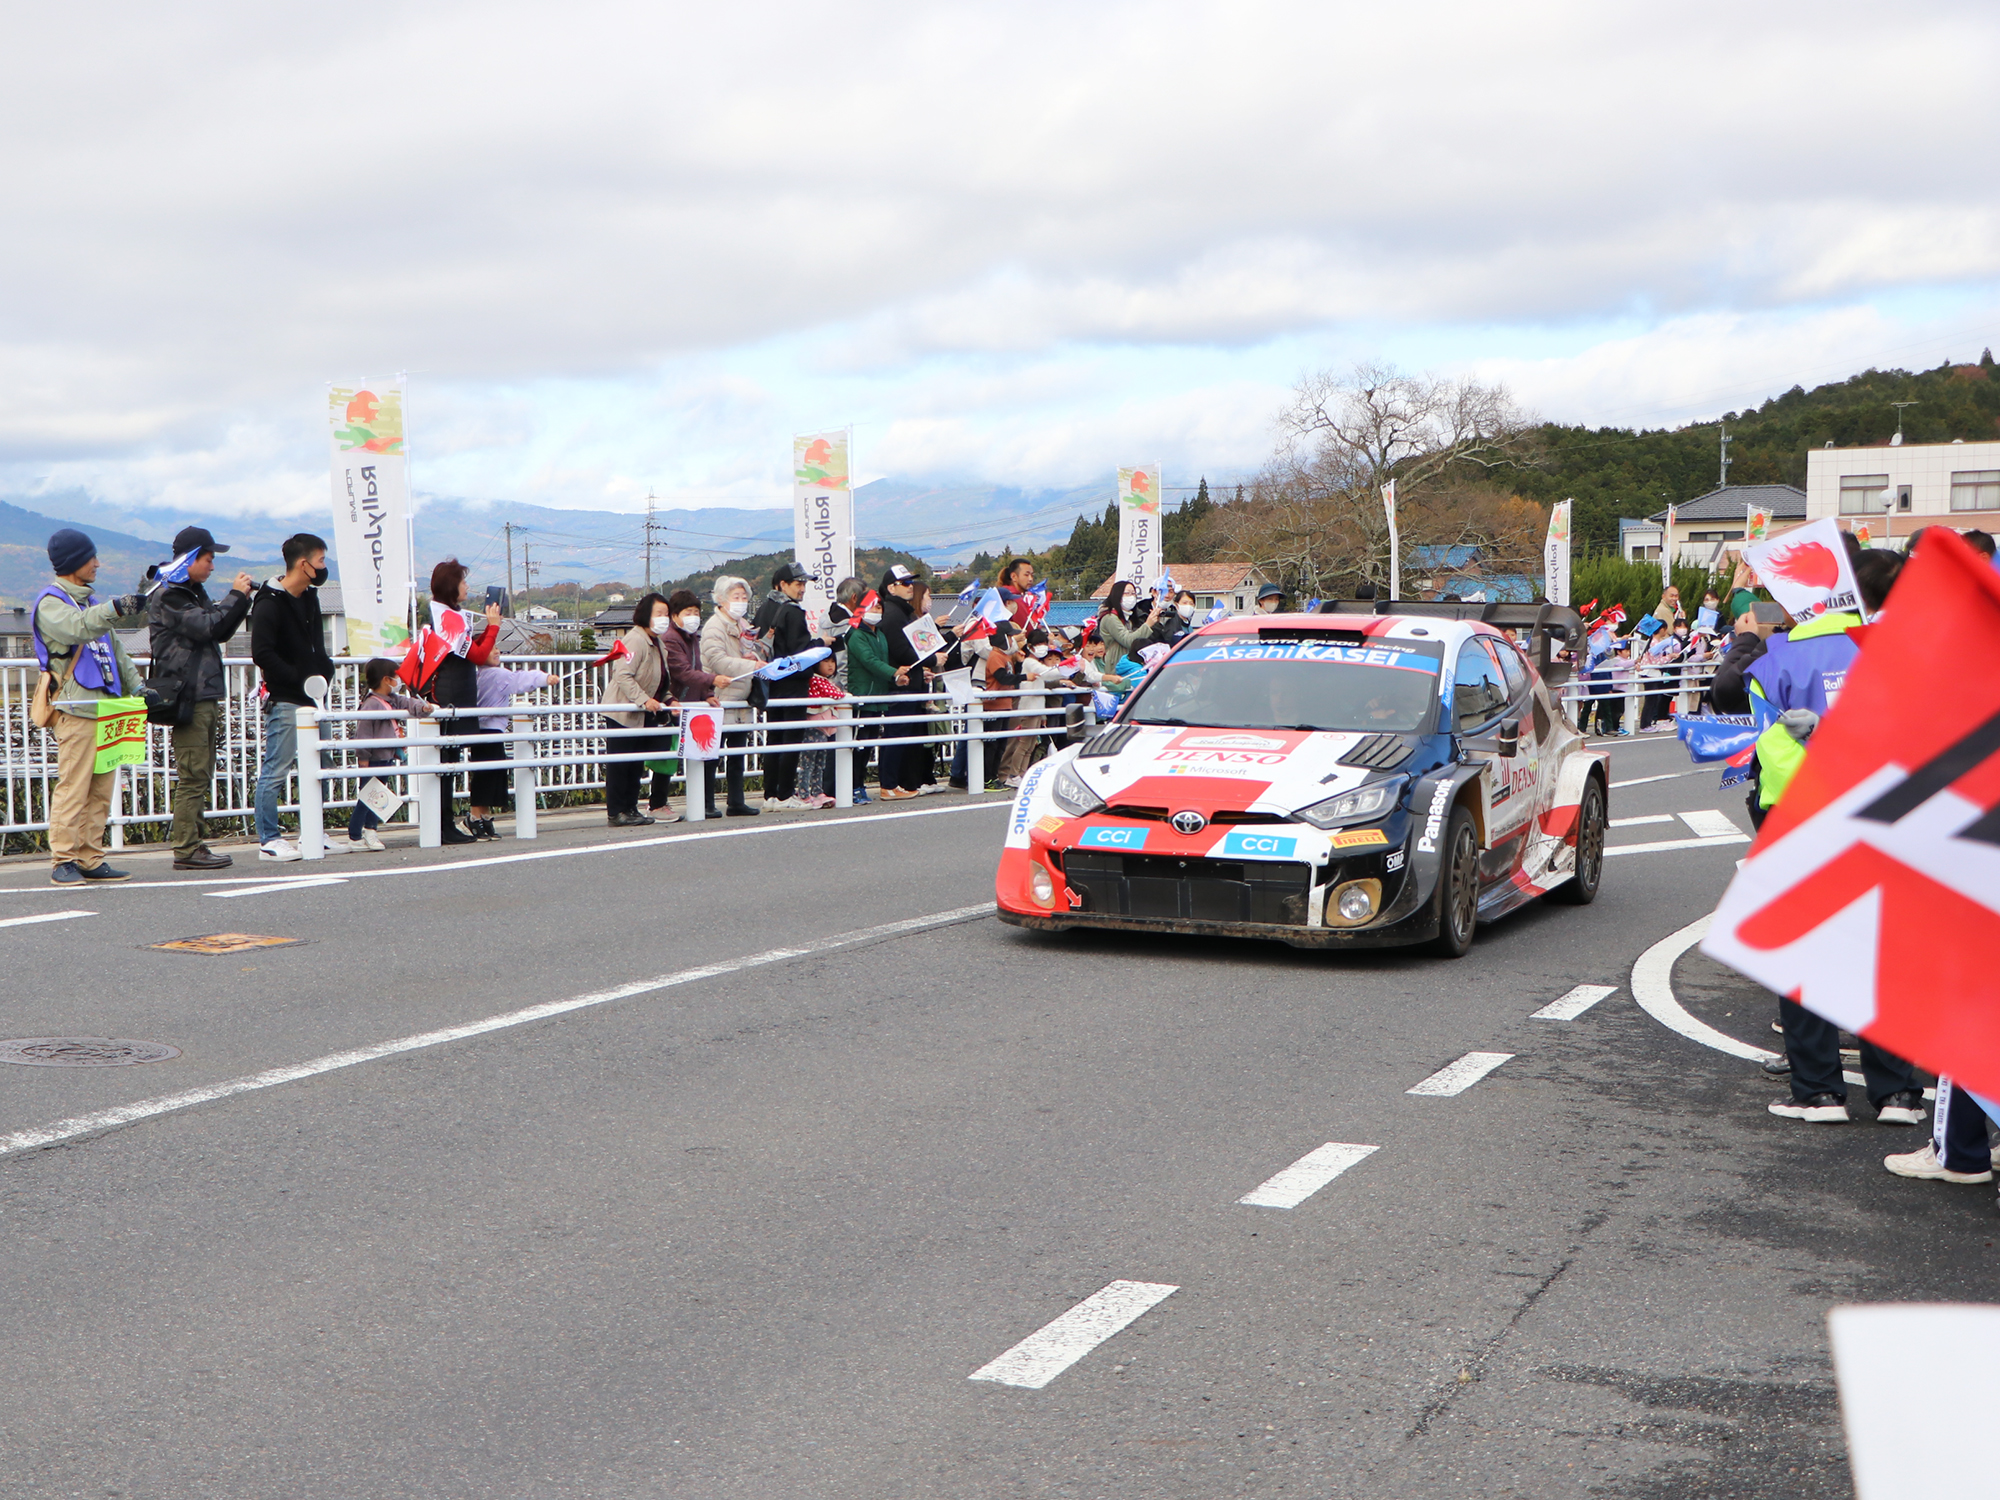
column 497, row 594
column 1767, row 614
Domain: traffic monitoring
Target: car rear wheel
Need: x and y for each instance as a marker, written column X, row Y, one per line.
column 1458, row 886
column 1581, row 889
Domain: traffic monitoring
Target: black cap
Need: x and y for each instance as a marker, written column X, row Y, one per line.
column 1270, row 591
column 195, row 539
column 790, row 572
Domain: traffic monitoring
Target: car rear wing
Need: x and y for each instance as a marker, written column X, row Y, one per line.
column 1550, row 626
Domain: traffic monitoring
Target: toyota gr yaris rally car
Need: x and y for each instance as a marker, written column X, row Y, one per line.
column 1327, row 780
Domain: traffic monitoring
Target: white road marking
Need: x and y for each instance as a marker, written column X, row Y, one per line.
column 1634, row 822
column 1670, row 776
column 1672, row 844
column 1653, row 988
column 47, row 916
column 481, row 862
column 1709, row 823
column 1306, row 1176
column 1575, row 1003
column 146, row 1109
column 1456, row 1078
column 1046, row 1353
column 300, row 883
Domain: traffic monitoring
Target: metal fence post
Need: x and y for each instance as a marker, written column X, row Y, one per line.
column 843, row 755
column 117, row 807
column 424, row 786
column 525, row 783
column 975, row 748
column 312, row 791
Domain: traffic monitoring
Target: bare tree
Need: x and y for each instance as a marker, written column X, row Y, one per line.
column 1314, row 515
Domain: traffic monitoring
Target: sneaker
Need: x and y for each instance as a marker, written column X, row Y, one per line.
column 371, row 842
column 66, row 873
column 1821, row 1109
column 861, row 796
column 772, row 802
column 1778, row 1067
column 662, row 815
column 792, row 804
column 340, row 845
column 1925, row 1164
column 279, row 852
column 453, row 834
column 823, row 801
column 103, row 872
column 1906, row 1108
column 929, row 788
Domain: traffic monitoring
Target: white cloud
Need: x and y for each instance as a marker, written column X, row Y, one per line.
column 622, row 247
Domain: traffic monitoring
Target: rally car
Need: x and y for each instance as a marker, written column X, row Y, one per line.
column 1346, row 779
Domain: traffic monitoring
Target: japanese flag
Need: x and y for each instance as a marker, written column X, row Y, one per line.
column 1872, row 894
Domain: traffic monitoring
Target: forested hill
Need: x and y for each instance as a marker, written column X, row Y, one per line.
column 1615, row 472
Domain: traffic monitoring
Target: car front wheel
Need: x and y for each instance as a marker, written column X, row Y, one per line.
column 1458, row 886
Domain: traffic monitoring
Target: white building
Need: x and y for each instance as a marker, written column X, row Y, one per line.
column 539, row 612
column 1914, row 484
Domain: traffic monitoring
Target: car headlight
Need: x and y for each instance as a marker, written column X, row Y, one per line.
column 1072, row 796
column 1361, row 805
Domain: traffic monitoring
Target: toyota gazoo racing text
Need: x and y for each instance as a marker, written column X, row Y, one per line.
column 1344, row 779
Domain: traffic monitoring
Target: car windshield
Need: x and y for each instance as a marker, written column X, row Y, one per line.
column 1293, row 684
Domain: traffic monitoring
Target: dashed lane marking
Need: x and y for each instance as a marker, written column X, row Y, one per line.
column 304, row 883
column 47, row 916
column 1046, row 1353
column 146, row 1109
column 1670, row 776
column 1635, row 822
column 1709, row 823
column 1306, row 1176
column 1668, row 845
column 1456, row 1078
column 1575, row 1003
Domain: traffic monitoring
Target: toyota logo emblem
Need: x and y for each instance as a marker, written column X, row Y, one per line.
column 1189, row 822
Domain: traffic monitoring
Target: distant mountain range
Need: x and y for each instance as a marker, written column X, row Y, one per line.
column 940, row 522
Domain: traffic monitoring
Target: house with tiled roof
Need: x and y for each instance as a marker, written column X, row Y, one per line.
column 1702, row 522
column 1232, row 585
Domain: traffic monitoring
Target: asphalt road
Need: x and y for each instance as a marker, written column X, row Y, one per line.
column 745, row 1221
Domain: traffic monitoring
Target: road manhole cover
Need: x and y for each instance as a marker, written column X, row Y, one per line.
column 83, row 1052
column 224, row 942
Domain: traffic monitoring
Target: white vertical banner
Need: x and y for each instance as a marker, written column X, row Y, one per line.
column 1667, row 551
column 1141, row 557
column 1395, row 541
column 822, row 515
column 371, row 515
column 1555, row 554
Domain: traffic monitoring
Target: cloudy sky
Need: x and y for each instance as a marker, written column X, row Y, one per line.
column 622, row 247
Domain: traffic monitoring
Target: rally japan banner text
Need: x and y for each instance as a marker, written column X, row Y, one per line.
column 822, row 516
column 1555, row 554
column 1140, row 554
column 371, row 515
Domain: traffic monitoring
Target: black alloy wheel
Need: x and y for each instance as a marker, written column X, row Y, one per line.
column 1581, row 889
column 1458, row 886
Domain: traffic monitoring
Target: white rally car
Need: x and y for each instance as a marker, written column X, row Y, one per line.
column 1334, row 779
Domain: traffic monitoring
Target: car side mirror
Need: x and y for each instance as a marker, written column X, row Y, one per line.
column 1508, row 740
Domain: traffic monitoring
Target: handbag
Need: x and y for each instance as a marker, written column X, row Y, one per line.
column 173, row 709
column 42, row 712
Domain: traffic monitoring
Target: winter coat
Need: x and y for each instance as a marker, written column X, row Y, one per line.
column 288, row 642
column 869, row 674
column 498, row 685
column 727, row 651
column 684, row 669
column 385, row 729
column 638, row 674
column 73, row 622
column 187, row 631
column 788, row 635
column 1730, row 687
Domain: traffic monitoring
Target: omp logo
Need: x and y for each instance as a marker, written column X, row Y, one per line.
column 1230, row 742
column 1434, row 821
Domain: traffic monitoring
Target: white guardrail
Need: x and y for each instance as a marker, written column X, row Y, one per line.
column 569, row 716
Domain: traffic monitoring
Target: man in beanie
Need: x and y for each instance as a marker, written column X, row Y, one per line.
column 188, row 629
column 74, row 642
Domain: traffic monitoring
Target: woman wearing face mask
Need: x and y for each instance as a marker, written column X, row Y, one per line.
column 1121, row 637
column 869, row 675
column 1179, row 619
column 454, row 685
column 692, row 684
column 727, row 651
column 639, row 676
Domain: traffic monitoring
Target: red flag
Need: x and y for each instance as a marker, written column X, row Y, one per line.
column 1872, row 894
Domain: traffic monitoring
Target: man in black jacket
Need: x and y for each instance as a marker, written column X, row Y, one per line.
column 187, row 632
column 288, row 643
column 787, row 633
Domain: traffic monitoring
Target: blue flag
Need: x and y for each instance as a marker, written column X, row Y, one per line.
column 175, row 571
column 785, row 666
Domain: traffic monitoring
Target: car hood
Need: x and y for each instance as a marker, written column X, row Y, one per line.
column 1166, row 768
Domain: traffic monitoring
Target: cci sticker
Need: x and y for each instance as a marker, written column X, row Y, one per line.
column 1259, row 845
column 1113, row 838
column 1361, row 838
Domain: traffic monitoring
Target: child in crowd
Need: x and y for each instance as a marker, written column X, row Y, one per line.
column 814, row 764
column 495, row 688
column 383, row 696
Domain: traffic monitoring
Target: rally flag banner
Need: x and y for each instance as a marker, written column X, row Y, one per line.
column 924, row 637
column 958, row 686
column 1395, row 541
column 453, row 626
column 371, row 515
column 1807, row 569
column 1729, row 738
column 1864, row 534
column 1756, row 523
column 121, row 733
column 1667, row 550
column 1555, row 554
column 701, row 731
column 785, row 666
column 823, row 515
column 1872, row 892
column 160, row 574
column 989, row 612
column 1139, row 539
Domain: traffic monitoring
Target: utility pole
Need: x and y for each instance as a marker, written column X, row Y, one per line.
column 1723, row 482
column 527, row 567
column 649, row 540
column 508, row 527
